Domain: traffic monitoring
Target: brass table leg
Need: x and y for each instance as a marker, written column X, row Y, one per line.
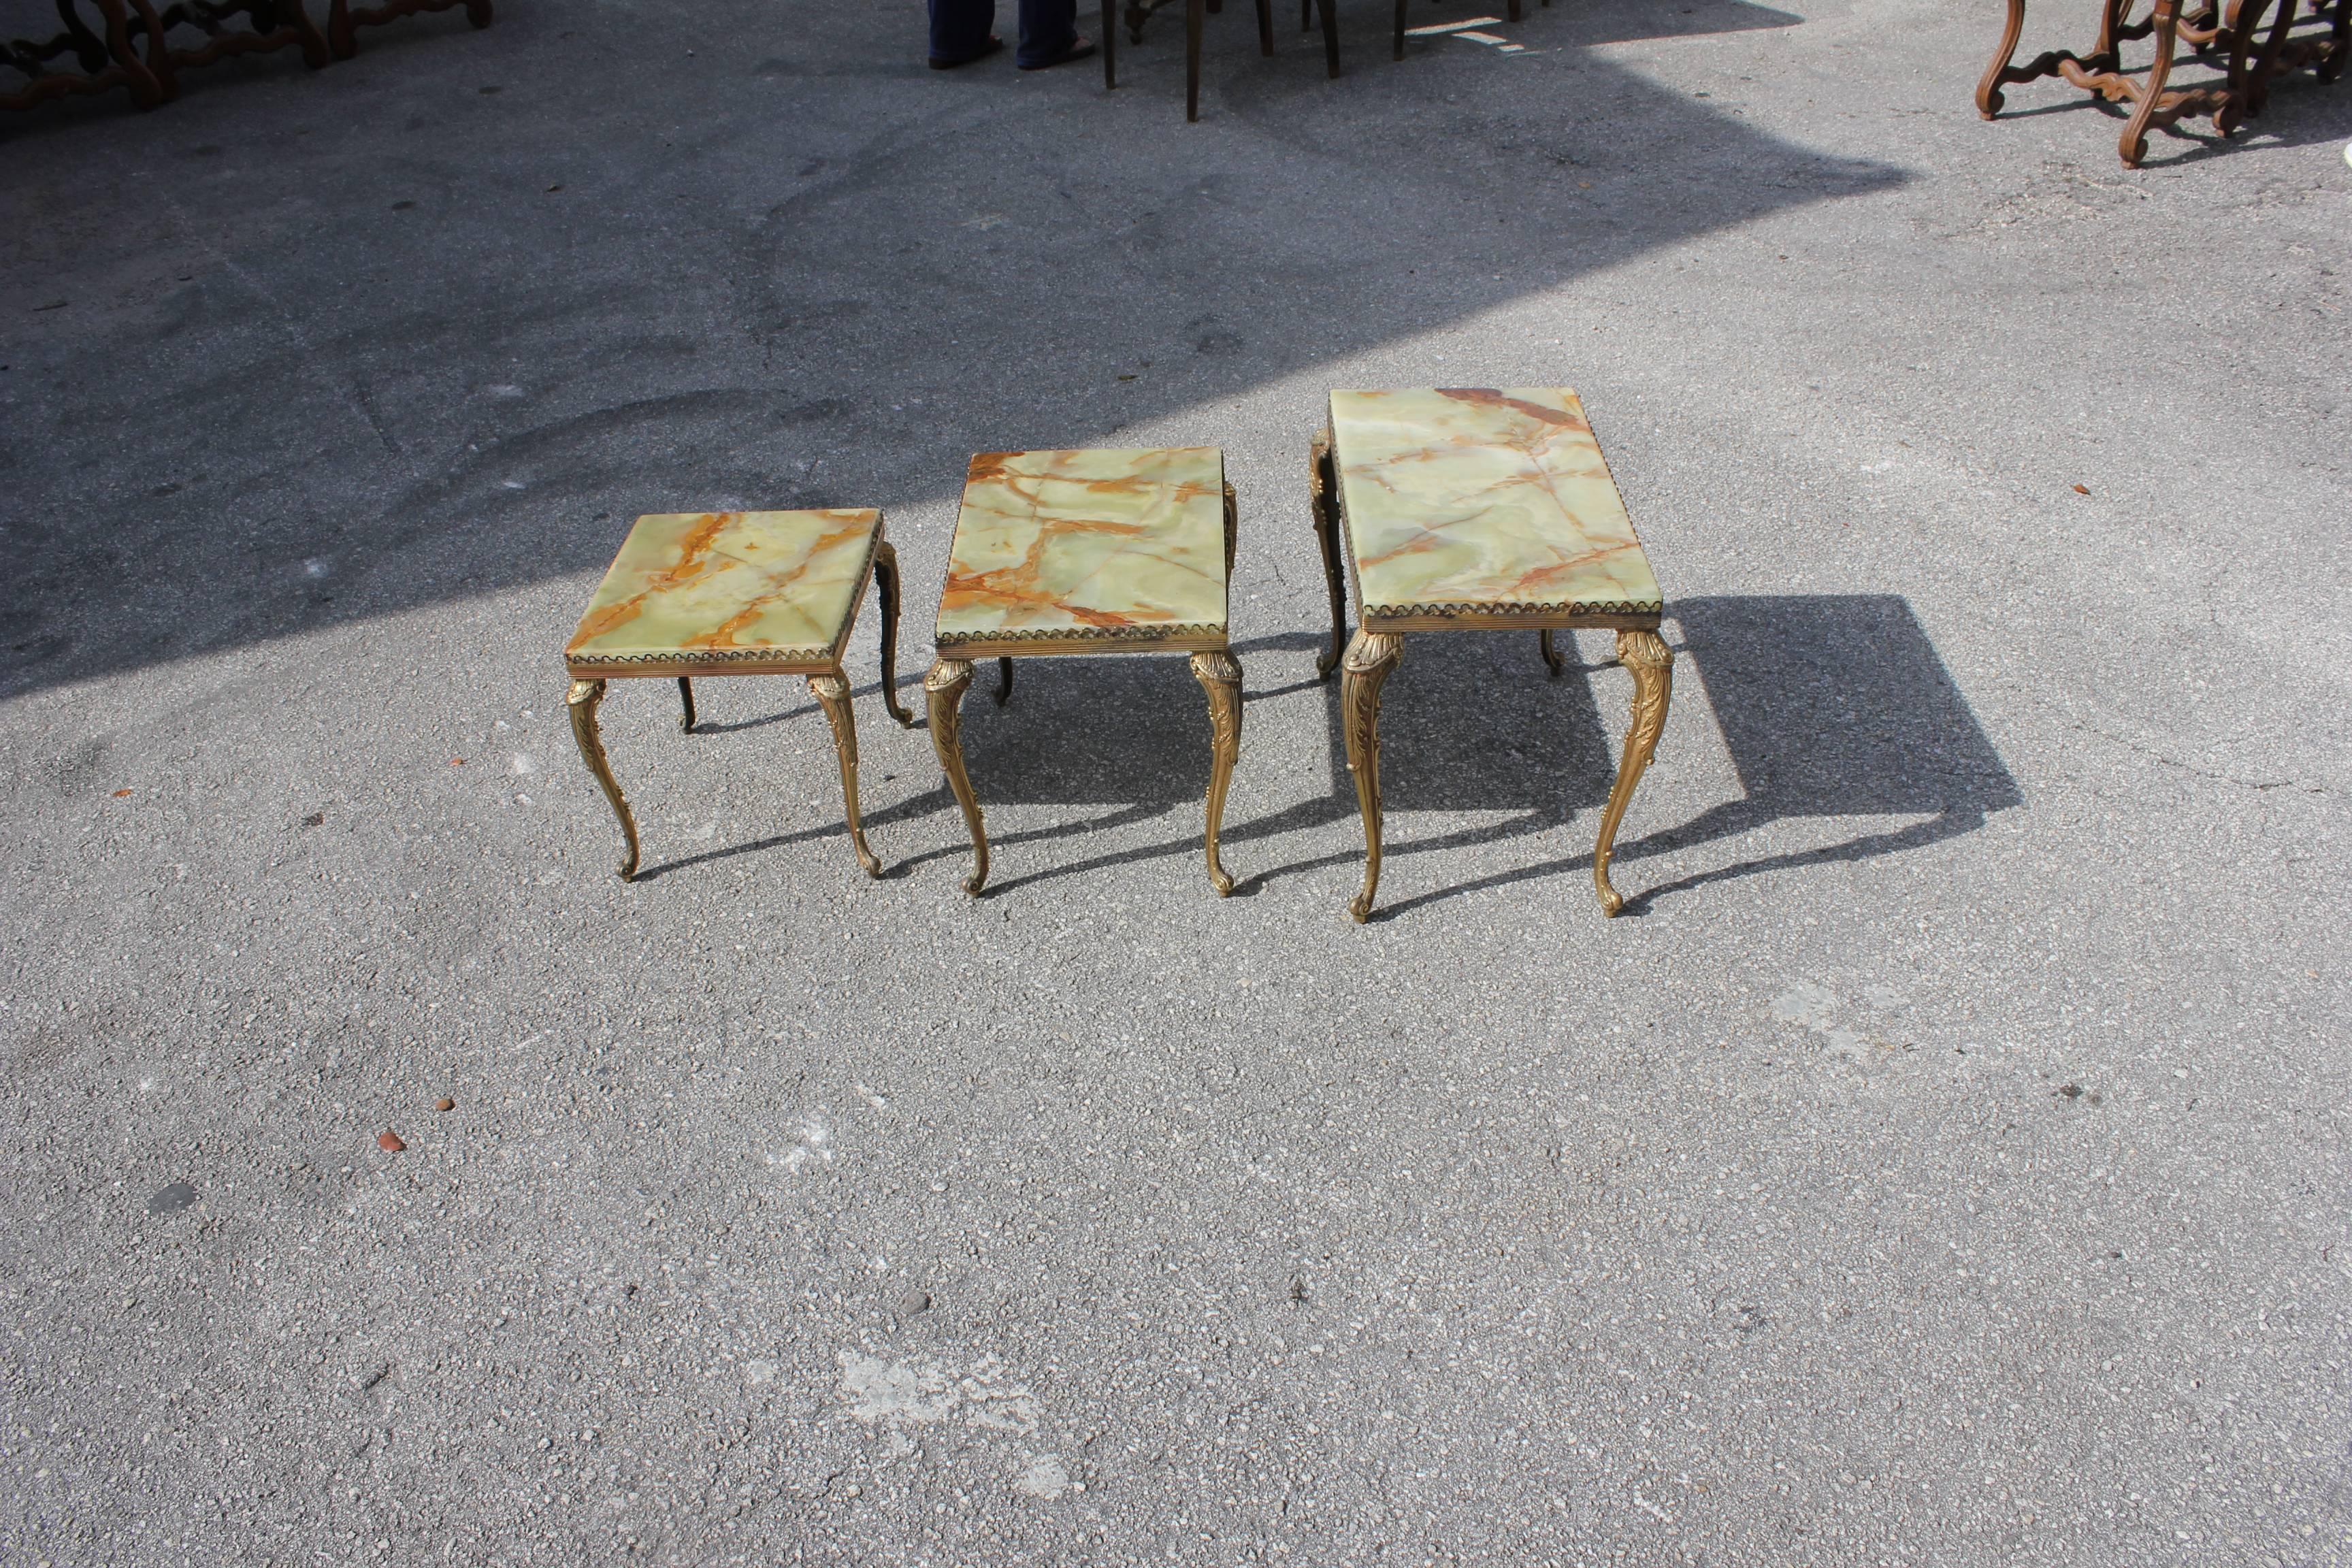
column 1371, row 658
column 886, row 583
column 1232, row 531
column 686, row 701
column 1323, row 493
column 1552, row 651
column 833, row 693
column 582, row 699
column 1652, row 663
column 1219, row 675
column 943, row 687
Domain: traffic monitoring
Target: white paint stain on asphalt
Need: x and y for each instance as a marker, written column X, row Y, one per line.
column 921, row 1392
column 813, row 1143
column 1045, row 1479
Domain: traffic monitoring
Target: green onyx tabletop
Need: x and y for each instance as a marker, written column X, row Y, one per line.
column 1470, row 506
column 1094, row 551
column 745, row 592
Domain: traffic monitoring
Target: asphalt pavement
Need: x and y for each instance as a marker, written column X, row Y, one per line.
column 1943, row 1159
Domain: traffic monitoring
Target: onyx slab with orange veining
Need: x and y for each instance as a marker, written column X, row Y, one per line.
column 1483, row 506
column 743, row 591
column 1086, row 551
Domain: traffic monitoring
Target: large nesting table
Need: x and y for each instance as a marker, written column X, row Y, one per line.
column 1457, row 508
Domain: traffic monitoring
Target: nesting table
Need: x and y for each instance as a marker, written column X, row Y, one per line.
column 737, row 593
column 1457, row 508
column 1106, row 552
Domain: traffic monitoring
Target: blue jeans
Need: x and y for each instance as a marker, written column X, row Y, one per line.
column 960, row 28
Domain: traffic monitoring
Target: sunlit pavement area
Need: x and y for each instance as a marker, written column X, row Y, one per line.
column 1942, row 1161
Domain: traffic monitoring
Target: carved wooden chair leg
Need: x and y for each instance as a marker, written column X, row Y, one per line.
column 1371, row 656
column 1988, row 94
column 2133, row 143
column 1192, row 60
column 1551, row 655
column 1323, row 500
column 886, row 583
column 833, row 693
column 685, row 705
column 943, row 690
column 583, row 701
column 1219, row 675
column 1652, row 663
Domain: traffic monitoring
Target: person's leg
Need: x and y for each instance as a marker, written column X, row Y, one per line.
column 1048, row 28
column 960, row 28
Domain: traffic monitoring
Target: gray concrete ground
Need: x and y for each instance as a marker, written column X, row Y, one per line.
column 1943, row 1162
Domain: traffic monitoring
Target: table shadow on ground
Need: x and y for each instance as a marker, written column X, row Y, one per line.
column 1829, row 706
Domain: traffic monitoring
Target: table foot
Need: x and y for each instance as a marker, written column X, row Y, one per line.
column 1652, row 663
column 1219, row 675
column 943, row 690
column 1551, row 655
column 832, row 693
column 1371, row 656
column 583, row 701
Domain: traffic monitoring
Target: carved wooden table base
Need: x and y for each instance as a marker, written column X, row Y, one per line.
column 133, row 48
column 2253, row 61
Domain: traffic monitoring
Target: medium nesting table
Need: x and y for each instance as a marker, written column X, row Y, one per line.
column 1458, row 508
column 737, row 593
column 1088, row 553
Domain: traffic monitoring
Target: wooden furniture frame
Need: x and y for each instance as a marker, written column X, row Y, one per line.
column 2252, row 61
column 1140, row 11
column 132, row 48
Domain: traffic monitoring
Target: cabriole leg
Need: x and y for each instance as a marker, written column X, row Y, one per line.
column 943, row 690
column 832, row 693
column 1219, row 675
column 885, row 584
column 1652, row 663
column 1323, row 499
column 1372, row 655
column 583, row 701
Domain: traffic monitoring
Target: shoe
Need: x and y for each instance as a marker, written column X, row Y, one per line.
column 994, row 46
column 1080, row 48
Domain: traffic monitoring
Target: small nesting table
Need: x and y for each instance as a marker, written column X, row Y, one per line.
column 1088, row 553
column 737, row 593
column 1457, row 508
